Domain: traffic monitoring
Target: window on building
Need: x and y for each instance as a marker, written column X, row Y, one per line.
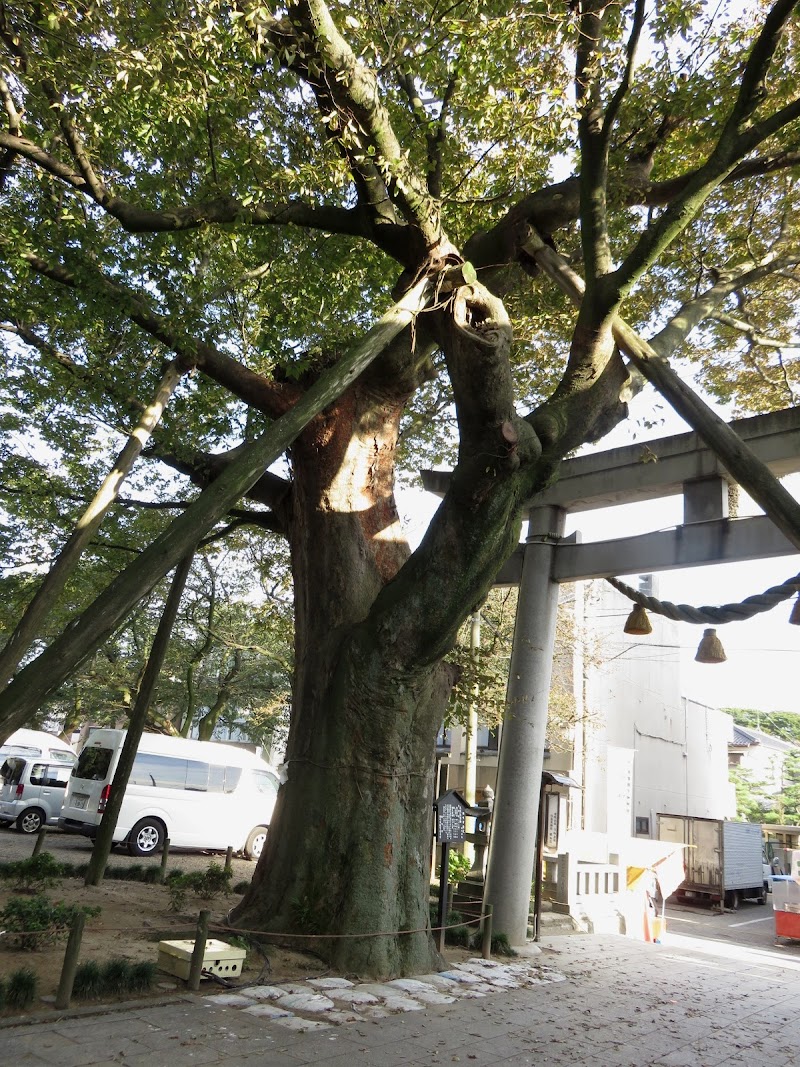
column 488, row 738
column 643, row 825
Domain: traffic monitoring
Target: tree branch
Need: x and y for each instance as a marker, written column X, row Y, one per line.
column 219, row 211
column 613, row 109
column 14, row 119
column 68, row 558
column 705, row 305
column 753, row 335
column 263, row 393
column 84, row 635
column 753, row 475
column 734, row 142
column 592, row 138
column 309, row 42
column 270, row 489
column 95, row 187
column 67, row 363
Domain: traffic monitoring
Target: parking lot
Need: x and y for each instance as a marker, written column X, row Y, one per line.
column 73, row 848
column 749, row 929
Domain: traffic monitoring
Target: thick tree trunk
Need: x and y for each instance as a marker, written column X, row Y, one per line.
column 348, row 857
column 351, row 848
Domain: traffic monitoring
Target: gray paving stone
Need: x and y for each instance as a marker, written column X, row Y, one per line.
column 232, row 1000
column 294, row 1022
column 433, row 996
column 341, row 1018
column 463, row 977
column 331, row 983
column 399, row 1003
column 409, row 985
column 267, row 1011
column 353, row 996
column 258, row 992
column 305, row 1001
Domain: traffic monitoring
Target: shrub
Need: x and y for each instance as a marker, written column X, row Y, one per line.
column 501, row 946
column 115, row 976
column 456, row 933
column 88, row 982
column 21, row 988
column 241, row 888
column 177, row 891
column 205, row 884
column 458, row 868
column 36, row 872
column 142, row 976
column 214, row 879
column 129, row 874
column 37, row 921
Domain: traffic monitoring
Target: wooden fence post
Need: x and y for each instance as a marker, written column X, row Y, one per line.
column 70, row 966
column 42, row 834
column 198, row 955
column 162, row 876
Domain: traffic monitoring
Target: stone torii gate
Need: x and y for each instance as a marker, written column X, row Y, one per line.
column 680, row 464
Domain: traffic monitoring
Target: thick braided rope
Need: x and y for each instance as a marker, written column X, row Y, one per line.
column 750, row 606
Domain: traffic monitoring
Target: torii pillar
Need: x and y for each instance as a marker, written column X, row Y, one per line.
column 516, row 811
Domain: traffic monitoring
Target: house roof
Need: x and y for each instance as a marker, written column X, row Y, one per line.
column 745, row 737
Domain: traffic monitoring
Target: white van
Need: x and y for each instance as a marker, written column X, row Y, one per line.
column 38, row 743
column 199, row 794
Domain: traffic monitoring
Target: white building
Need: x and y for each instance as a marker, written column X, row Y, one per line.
column 762, row 757
column 641, row 747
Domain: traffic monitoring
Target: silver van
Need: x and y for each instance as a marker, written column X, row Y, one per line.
column 32, row 792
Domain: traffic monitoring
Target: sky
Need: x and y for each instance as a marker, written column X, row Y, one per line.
column 763, row 653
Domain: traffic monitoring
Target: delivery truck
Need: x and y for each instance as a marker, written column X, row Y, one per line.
column 724, row 860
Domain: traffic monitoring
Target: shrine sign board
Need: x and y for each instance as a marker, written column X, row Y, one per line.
column 451, row 809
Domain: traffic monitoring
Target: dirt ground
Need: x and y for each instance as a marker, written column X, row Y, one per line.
column 133, row 918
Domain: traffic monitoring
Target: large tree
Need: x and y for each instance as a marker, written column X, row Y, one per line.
column 241, row 192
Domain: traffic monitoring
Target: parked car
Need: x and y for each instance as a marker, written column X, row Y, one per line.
column 32, row 792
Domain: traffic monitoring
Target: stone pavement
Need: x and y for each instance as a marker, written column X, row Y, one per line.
column 585, row 1000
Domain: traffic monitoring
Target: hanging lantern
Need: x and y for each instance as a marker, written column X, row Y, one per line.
column 710, row 649
column 638, row 622
column 794, row 618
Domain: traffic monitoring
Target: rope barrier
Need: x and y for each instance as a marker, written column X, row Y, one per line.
column 745, row 609
column 340, row 937
column 241, row 930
